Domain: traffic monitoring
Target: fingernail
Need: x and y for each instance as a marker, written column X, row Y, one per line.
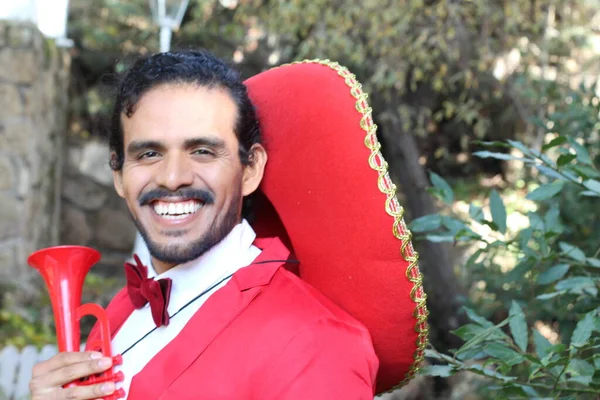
column 105, row 362
column 96, row 356
column 108, row 387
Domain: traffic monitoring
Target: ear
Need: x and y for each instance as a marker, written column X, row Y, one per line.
column 254, row 172
column 118, row 182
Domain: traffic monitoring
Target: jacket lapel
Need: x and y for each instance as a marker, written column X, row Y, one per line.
column 219, row 310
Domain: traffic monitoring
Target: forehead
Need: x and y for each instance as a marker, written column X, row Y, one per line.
column 182, row 111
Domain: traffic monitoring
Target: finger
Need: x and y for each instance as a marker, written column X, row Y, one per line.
column 69, row 373
column 88, row 392
column 62, row 359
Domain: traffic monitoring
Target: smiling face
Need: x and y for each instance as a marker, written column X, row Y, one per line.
column 182, row 177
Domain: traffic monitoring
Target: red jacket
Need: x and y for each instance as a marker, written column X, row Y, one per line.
column 266, row 335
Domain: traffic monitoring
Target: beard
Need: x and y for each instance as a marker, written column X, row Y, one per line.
column 182, row 253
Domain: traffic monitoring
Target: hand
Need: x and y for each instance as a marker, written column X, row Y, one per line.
column 49, row 377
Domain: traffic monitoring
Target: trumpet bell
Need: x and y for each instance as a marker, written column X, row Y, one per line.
column 64, row 269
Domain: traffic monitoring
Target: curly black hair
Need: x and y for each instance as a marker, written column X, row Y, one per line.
column 188, row 67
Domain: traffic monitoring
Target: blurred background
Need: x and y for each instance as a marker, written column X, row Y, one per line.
column 488, row 115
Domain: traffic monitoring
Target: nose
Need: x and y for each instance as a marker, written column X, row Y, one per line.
column 175, row 172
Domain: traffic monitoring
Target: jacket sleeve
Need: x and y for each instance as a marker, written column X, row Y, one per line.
column 326, row 360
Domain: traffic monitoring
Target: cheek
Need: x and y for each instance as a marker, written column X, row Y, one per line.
column 221, row 179
column 134, row 181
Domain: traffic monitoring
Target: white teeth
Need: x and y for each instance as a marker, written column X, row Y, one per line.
column 176, row 210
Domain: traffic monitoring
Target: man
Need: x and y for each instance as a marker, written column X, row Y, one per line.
column 232, row 323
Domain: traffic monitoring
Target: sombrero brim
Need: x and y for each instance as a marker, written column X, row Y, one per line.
column 332, row 200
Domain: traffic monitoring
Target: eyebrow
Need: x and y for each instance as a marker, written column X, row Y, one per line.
column 212, row 142
column 139, row 145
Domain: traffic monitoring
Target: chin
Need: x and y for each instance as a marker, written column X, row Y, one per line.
column 181, row 250
column 189, row 238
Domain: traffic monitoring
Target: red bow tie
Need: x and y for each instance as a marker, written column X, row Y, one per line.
column 142, row 290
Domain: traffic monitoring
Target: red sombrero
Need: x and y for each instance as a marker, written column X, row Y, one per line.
column 332, row 200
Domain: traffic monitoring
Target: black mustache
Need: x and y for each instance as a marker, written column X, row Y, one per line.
column 204, row 196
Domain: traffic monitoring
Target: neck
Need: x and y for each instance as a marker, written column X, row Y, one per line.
column 161, row 266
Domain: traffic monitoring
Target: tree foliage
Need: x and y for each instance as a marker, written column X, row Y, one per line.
column 542, row 272
column 488, row 88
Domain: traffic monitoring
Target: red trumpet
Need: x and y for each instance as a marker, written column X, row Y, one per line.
column 64, row 269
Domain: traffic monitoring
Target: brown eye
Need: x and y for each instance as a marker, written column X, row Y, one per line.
column 203, row 152
column 148, row 154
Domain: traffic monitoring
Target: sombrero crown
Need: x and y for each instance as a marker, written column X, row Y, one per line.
column 332, row 200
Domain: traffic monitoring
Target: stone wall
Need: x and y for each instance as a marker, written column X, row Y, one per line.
column 34, row 77
column 55, row 188
column 92, row 212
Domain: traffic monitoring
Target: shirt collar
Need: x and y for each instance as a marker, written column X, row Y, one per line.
column 232, row 253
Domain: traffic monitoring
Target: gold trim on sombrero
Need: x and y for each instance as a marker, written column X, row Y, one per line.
column 392, row 207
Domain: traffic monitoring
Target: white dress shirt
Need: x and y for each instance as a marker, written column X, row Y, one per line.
column 189, row 280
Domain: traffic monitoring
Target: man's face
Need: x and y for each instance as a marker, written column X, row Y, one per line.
column 182, row 177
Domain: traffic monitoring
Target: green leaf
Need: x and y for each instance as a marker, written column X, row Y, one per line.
column 442, row 371
column 589, row 193
column 572, row 251
column 592, row 185
column 468, row 331
column 552, row 220
column 498, row 211
column 454, row 225
column 531, row 392
column 473, row 316
column 553, row 274
column 433, row 354
column 480, row 338
column 542, row 345
column 558, row 348
column 581, row 371
column 475, row 212
column 447, row 195
column 585, row 171
column 440, row 238
column 519, row 271
column 498, row 156
column 594, row 262
column 518, row 326
column 553, row 358
column 525, row 236
column 503, row 353
column 548, row 296
column 577, row 284
column 426, row 223
column 520, row 146
column 549, row 172
column 473, row 353
column 480, row 370
column 546, row 191
column 564, row 159
column 583, row 330
column 582, row 154
column 557, row 141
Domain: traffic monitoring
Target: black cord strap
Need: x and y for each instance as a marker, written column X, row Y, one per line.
column 199, row 296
